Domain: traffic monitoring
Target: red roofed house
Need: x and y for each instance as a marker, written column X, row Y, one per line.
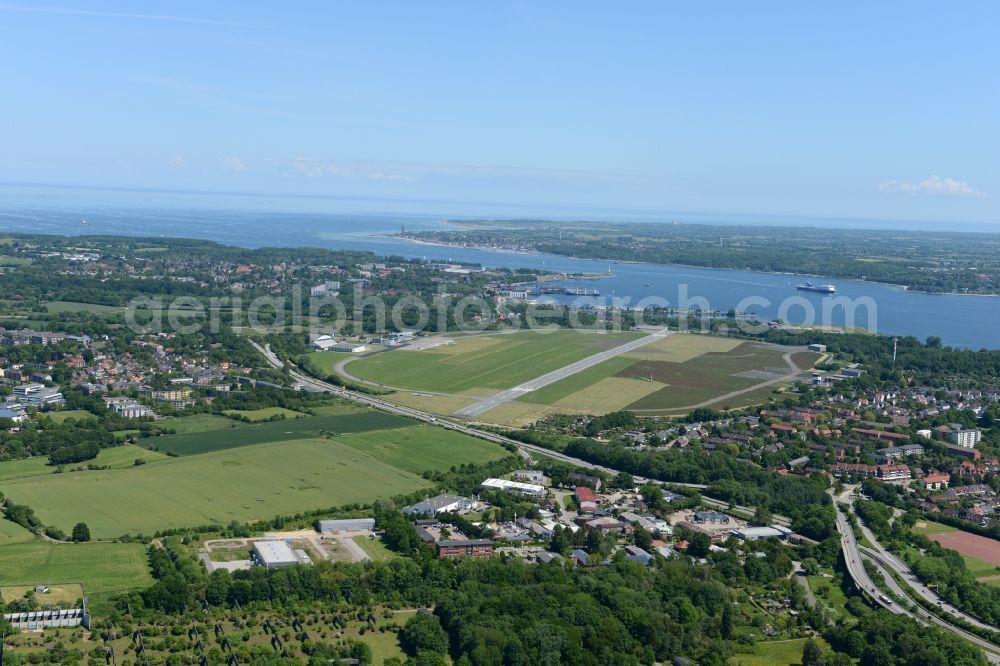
column 935, row 481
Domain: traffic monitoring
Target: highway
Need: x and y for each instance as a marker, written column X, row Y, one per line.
column 486, row 404
column 891, row 561
column 893, row 598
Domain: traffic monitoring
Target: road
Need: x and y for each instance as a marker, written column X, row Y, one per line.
column 486, row 404
column 854, row 558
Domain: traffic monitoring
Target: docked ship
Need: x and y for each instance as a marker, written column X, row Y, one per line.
column 818, row 288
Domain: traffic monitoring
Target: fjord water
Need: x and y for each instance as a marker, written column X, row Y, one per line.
column 961, row 321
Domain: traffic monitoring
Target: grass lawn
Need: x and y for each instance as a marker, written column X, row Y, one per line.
column 436, row 404
column 557, row 391
column 926, row 527
column 115, row 457
column 103, row 569
column 374, row 548
column 775, row 653
column 421, row 448
column 59, row 417
column 57, row 307
column 275, row 431
column 829, row 593
column 63, row 595
column 488, row 361
column 263, row 414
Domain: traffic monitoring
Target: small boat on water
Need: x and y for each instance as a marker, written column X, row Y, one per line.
column 648, row 284
column 818, row 288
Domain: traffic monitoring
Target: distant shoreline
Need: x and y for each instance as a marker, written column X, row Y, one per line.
column 486, row 248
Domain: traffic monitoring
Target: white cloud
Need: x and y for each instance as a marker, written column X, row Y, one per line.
column 233, row 164
column 178, row 162
column 933, row 185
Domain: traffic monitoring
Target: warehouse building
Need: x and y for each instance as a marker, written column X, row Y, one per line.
column 757, row 533
column 277, row 554
column 440, row 504
column 347, row 525
column 514, row 487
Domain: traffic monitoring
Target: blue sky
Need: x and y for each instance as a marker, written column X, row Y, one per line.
column 864, row 110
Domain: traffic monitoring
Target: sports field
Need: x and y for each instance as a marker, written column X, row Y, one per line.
column 483, row 364
column 221, row 476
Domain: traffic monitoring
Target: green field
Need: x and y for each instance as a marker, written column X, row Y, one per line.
column 13, row 533
column 420, row 448
column 57, row 307
column 564, row 388
column 244, row 481
column 263, row 414
column 102, row 568
column 197, row 423
column 483, row 363
column 775, row 653
column 115, row 457
column 926, row 527
column 829, row 593
column 191, row 443
column 704, row 377
column 59, row 417
column 374, row 548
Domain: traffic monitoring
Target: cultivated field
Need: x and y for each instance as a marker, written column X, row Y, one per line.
column 483, row 364
column 116, row 457
column 191, row 443
column 256, row 471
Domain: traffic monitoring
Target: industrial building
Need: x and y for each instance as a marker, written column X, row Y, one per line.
column 347, row 525
column 277, row 554
column 37, row 395
column 514, row 487
column 757, row 533
column 440, row 504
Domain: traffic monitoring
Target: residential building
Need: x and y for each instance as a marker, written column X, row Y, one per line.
column 967, row 439
column 936, row 481
column 893, row 473
column 474, row 548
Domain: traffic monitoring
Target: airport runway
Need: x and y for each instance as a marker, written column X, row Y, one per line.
column 486, row 404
